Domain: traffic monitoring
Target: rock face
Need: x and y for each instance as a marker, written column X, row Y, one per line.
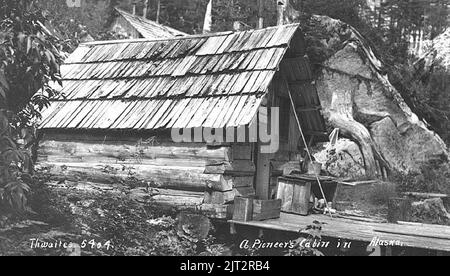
column 343, row 160
column 357, row 98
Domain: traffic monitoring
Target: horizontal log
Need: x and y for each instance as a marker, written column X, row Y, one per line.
column 235, row 168
column 213, row 197
column 162, row 198
column 182, row 178
column 119, row 137
column 225, row 183
column 177, row 162
column 133, row 153
column 182, row 201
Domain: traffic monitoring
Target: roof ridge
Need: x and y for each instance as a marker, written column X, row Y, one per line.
column 106, row 42
column 147, row 21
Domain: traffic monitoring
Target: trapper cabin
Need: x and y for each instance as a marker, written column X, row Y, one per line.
column 127, row 103
column 132, row 26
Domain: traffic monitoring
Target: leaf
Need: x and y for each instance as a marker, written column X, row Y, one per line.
column 29, row 44
column 21, row 40
column 2, row 93
column 48, row 56
column 3, row 80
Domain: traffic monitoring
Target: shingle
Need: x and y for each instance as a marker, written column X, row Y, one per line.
column 198, row 81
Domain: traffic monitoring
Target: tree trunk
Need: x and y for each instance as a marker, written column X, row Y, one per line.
column 358, row 132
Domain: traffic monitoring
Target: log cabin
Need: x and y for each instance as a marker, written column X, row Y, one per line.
column 133, row 26
column 122, row 100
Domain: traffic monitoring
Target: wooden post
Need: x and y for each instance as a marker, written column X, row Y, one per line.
column 145, row 9
column 134, row 7
column 263, row 168
column 158, row 11
column 262, row 174
column 260, row 14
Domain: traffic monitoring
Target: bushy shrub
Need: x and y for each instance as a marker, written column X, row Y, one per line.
column 432, row 178
column 427, row 92
column 15, row 168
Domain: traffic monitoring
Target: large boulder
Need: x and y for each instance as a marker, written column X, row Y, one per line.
column 342, row 160
column 357, row 98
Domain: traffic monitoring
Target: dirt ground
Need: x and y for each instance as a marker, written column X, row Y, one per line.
column 67, row 221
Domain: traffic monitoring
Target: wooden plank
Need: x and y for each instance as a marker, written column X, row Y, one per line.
column 302, row 194
column 347, row 229
column 294, row 133
column 263, row 173
column 243, row 209
column 235, row 168
column 266, row 209
column 427, row 195
column 286, row 194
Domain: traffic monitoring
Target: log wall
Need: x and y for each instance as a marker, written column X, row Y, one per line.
column 192, row 175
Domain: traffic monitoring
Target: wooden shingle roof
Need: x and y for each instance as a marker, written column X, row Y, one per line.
column 147, row 28
column 215, row 81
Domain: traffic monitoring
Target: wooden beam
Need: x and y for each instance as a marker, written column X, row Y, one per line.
column 158, row 11
column 309, row 109
column 145, row 9
column 432, row 237
column 263, row 173
column 235, row 168
column 301, row 82
column 316, row 133
column 260, row 14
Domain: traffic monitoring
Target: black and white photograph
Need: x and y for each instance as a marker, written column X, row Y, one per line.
column 232, row 131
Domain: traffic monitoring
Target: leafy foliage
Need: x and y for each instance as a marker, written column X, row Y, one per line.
column 29, row 62
column 433, row 178
column 427, row 93
column 15, row 166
